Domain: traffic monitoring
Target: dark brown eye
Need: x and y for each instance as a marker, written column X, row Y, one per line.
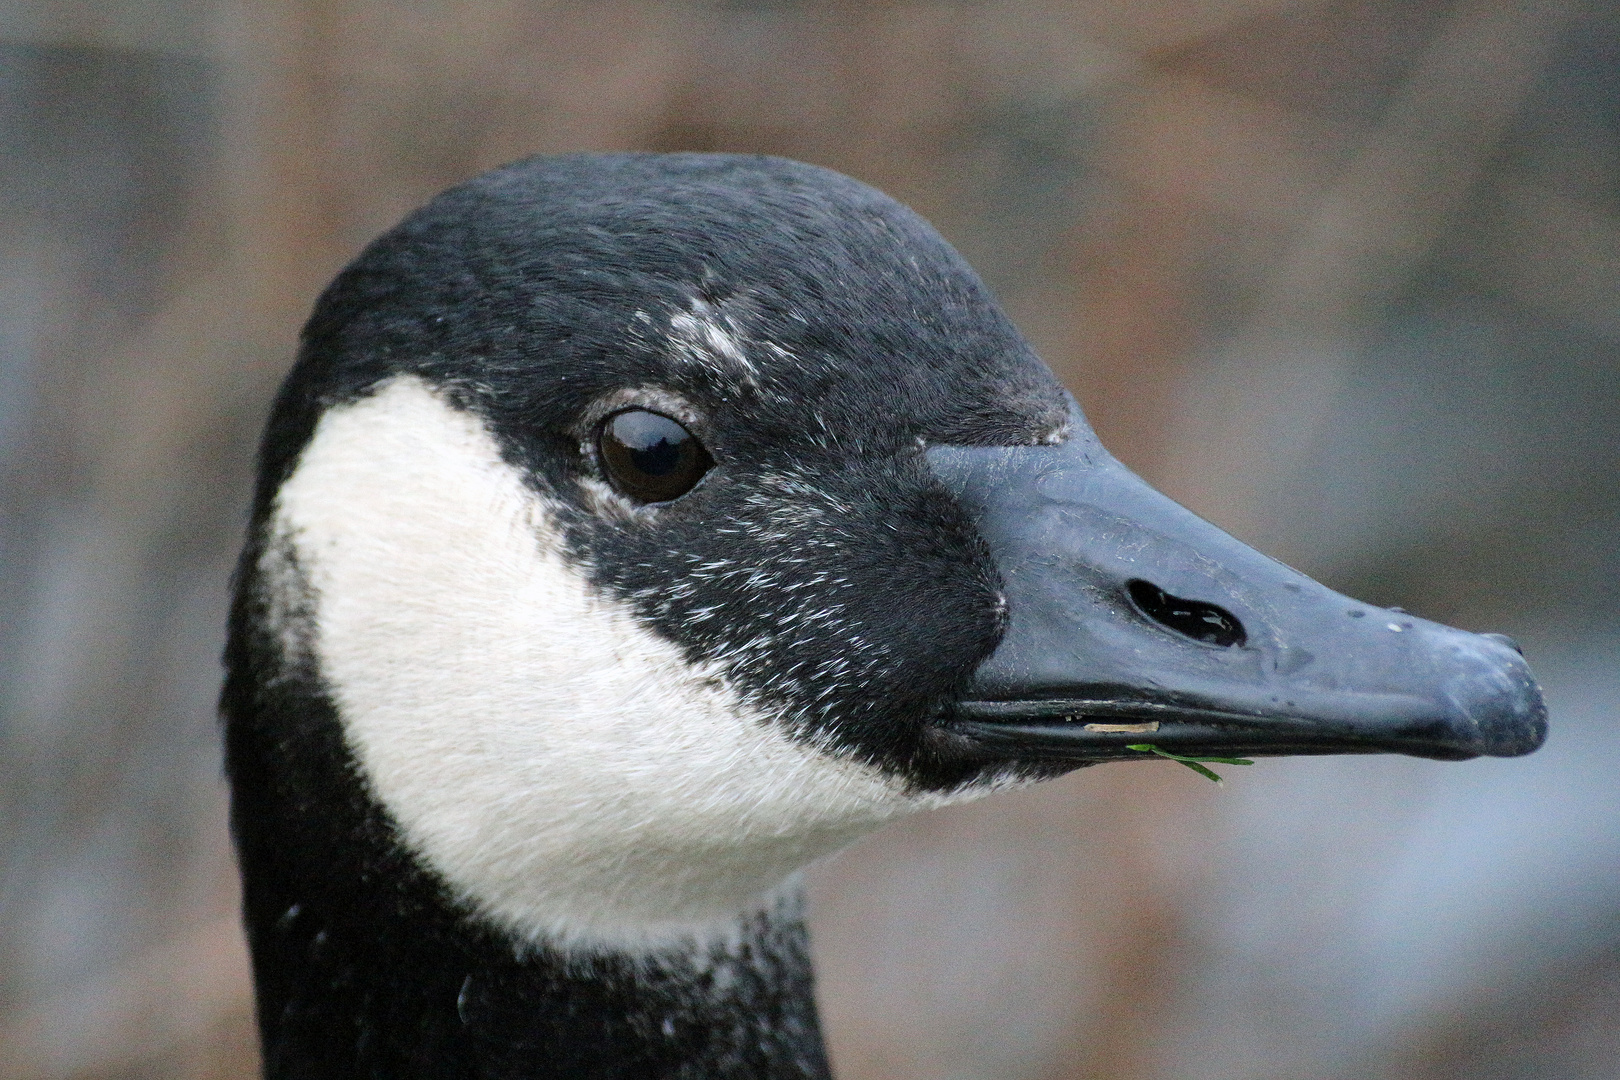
column 650, row 457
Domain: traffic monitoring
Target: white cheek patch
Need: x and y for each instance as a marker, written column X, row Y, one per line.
column 563, row 767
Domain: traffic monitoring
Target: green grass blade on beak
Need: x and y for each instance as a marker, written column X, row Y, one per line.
column 1192, row 763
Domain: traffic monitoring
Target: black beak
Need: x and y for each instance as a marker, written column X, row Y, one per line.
column 1133, row 621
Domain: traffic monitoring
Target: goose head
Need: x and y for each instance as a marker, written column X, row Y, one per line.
column 634, row 530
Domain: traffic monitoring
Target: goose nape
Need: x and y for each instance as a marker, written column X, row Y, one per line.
column 634, row 530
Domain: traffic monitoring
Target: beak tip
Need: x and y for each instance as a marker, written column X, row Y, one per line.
column 1522, row 732
column 1501, row 703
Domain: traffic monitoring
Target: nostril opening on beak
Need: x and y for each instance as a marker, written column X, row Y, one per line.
column 1190, row 618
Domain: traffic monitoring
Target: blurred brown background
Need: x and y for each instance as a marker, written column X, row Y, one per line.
column 1342, row 276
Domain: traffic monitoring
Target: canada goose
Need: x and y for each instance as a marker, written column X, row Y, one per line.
column 634, row 530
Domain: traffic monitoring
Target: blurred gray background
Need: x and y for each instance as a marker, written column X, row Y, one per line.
column 1343, row 277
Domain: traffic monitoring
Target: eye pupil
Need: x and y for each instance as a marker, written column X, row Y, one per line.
column 659, row 459
column 650, row 457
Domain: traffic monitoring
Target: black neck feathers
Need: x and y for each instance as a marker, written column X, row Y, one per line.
column 341, row 1000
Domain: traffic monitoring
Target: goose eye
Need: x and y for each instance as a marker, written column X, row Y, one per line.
column 650, row 457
